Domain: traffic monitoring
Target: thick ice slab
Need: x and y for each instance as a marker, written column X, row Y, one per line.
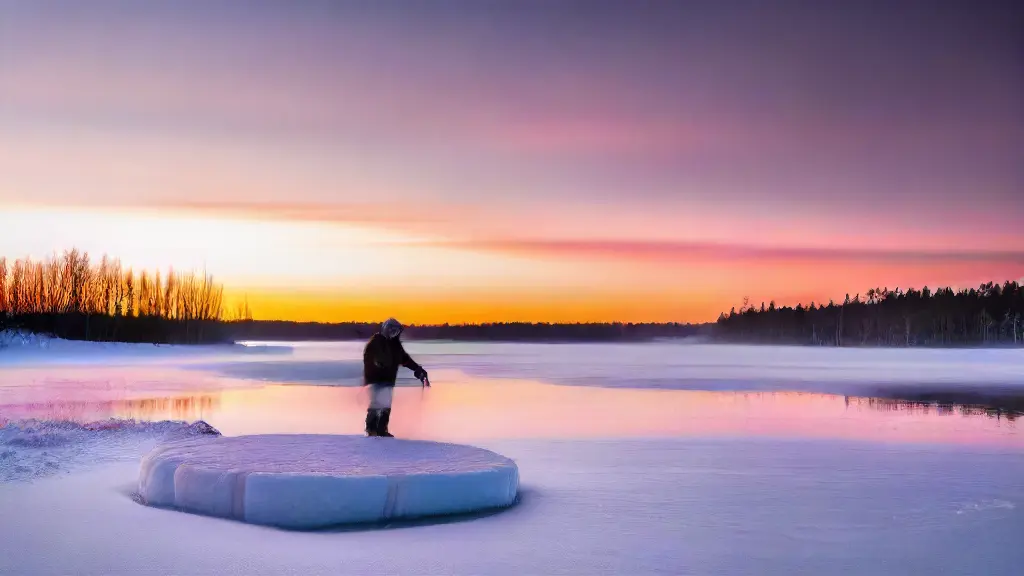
column 314, row 481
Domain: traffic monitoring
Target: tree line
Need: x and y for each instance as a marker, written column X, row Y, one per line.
column 71, row 296
column 989, row 315
column 498, row 331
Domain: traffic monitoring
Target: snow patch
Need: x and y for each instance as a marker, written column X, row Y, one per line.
column 329, row 372
column 995, row 504
column 32, row 449
column 316, row 481
column 23, row 339
column 26, row 348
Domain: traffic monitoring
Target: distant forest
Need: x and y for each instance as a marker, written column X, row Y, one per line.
column 990, row 315
column 506, row 332
column 69, row 296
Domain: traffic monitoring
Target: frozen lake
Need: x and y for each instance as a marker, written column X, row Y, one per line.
column 652, row 458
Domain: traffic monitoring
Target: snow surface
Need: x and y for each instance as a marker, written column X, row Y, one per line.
column 656, row 365
column 668, row 506
column 34, row 449
column 19, row 348
column 660, row 365
column 306, row 481
column 748, row 504
column 671, row 365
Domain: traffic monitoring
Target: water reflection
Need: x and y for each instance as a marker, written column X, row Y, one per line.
column 466, row 409
column 1000, row 406
column 187, row 408
column 465, row 412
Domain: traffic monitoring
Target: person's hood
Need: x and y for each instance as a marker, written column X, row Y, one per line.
column 391, row 328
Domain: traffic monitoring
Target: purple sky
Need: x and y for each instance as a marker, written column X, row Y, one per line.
column 811, row 125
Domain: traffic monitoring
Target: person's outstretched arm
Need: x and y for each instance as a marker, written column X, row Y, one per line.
column 411, row 364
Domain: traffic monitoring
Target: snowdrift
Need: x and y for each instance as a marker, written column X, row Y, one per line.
column 34, row 449
column 317, row 481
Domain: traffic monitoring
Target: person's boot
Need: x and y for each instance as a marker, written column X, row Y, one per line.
column 382, row 424
column 372, row 422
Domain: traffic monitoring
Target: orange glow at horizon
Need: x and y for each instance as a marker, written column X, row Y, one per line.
column 461, row 306
column 325, row 271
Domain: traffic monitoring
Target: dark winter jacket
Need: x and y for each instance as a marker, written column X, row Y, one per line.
column 381, row 359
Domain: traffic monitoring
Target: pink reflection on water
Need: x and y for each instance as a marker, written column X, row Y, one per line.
column 463, row 409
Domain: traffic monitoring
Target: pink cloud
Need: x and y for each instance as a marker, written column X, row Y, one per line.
column 718, row 252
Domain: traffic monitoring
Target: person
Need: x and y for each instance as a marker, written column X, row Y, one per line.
column 382, row 357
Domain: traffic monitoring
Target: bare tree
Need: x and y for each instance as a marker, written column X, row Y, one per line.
column 66, row 295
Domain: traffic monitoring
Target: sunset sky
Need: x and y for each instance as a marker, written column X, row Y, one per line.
column 543, row 160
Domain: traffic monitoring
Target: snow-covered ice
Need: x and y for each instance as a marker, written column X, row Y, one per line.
column 307, row 481
column 633, row 459
column 656, row 365
column 643, row 506
column 659, row 365
column 681, row 366
column 33, row 449
column 19, row 348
